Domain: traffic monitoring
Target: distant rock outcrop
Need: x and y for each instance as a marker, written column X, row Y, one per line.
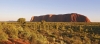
column 73, row 17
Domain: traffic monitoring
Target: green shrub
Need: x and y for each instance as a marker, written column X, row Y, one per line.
column 11, row 30
column 3, row 36
column 21, row 20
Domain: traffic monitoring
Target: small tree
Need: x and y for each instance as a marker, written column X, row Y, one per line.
column 43, row 24
column 21, row 20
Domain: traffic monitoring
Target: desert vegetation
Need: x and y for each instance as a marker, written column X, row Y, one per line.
column 49, row 33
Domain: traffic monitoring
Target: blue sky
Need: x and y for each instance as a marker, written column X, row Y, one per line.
column 14, row 9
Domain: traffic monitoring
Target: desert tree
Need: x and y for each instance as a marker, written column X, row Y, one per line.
column 21, row 20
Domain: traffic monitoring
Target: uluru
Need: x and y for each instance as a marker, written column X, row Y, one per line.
column 71, row 17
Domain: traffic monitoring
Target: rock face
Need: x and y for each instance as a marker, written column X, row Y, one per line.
column 73, row 17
